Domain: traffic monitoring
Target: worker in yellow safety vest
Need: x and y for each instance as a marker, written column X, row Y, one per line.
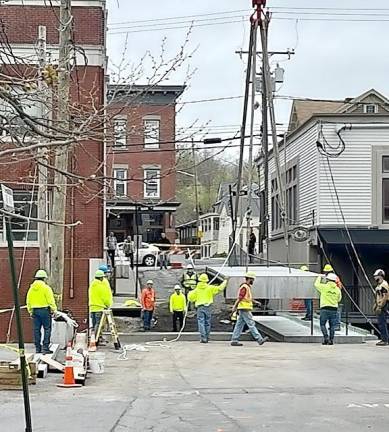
column 100, row 298
column 40, row 305
column 189, row 281
column 177, row 305
column 244, row 306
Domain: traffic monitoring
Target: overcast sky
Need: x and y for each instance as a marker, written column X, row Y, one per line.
column 333, row 59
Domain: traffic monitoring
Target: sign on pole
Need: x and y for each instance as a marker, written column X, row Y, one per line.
column 8, row 199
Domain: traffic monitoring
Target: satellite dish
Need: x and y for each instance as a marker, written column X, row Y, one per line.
column 300, row 234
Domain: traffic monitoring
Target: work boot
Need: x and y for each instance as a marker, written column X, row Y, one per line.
column 325, row 342
column 203, row 341
column 331, row 342
column 236, row 343
column 47, row 352
column 263, row 340
column 382, row 343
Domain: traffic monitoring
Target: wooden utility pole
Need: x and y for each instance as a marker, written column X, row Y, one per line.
column 196, row 183
column 250, row 161
column 57, row 233
column 265, row 150
column 43, row 229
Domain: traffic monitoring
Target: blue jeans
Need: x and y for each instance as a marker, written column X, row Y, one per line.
column 331, row 316
column 42, row 318
column 96, row 318
column 204, row 315
column 382, row 325
column 245, row 317
column 147, row 317
column 309, row 308
column 164, row 260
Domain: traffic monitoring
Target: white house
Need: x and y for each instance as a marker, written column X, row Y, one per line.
column 337, row 189
column 217, row 225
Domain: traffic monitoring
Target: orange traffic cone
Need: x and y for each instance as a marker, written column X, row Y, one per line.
column 92, row 343
column 68, row 376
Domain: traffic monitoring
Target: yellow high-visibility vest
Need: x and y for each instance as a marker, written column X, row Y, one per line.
column 190, row 282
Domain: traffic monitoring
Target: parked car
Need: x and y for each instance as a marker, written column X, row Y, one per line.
column 147, row 255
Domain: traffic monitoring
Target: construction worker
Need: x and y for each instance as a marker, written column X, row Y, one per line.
column 100, row 298
column 189, row 280
column 307, row 302
column 177, row 307
column 381, row 305
column 40, row 305
column 104, row 268
column 148, row 299
column 330, row 296
column 327, row 269
column 202, row 296
column 244, row 306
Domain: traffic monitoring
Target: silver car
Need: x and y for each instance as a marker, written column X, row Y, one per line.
column 147, row 255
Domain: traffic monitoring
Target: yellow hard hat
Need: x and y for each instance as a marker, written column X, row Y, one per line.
column 203, row 278
column 328, row 268
column 250, row 275
column 304, row 268
column 99, row 274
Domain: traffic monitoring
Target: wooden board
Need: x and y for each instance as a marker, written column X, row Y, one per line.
column 51, row 362
column 11, row 377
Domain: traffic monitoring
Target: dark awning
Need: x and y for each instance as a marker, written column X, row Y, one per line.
column 359, row 236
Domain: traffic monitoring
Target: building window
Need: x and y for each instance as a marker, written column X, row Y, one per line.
column 120, row 132
column 216, row 224
column 152, row 183
column 291, row 185
column 151, row 133
column 120, row 182
column 370, row 109
column 23, row 230
column 385, row 164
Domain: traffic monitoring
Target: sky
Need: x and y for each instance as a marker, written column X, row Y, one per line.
column 333, row 59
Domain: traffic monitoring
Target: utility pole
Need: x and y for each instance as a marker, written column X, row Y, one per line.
column 242, row 142
column 196, row 182
column 270, row 103
column 250, row 161
column 265, row 150
column 43, row 228
column 57, row 233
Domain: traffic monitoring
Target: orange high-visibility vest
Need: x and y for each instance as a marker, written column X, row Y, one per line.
column 247, row 302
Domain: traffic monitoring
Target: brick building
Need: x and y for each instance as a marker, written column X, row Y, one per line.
column 20, row 21
column 141, row 158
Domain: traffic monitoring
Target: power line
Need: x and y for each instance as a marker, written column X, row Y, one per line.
column 179, row 17
column 176, row 28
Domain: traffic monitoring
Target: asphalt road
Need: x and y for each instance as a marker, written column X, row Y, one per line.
column 218, row 388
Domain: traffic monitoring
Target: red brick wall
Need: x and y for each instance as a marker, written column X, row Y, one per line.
column 21, row 24
column 135, row 155
column 84, row 202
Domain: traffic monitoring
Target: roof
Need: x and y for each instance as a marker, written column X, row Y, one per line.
column 303, row 109
column 151, row 89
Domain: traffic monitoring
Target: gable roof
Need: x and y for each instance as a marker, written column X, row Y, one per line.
column 304, row 109
column 370, row 96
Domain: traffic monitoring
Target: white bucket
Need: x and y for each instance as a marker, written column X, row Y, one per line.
column 96, row 362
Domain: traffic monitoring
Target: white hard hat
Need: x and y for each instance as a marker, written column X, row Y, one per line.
column 379, row 272
column 332, row 277
column 189, row 267
column 149, row 282
column 177, row 287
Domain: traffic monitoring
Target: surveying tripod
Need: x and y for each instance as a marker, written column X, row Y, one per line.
column 107, row 318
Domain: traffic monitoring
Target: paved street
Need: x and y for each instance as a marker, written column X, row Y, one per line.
column 218, row 388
